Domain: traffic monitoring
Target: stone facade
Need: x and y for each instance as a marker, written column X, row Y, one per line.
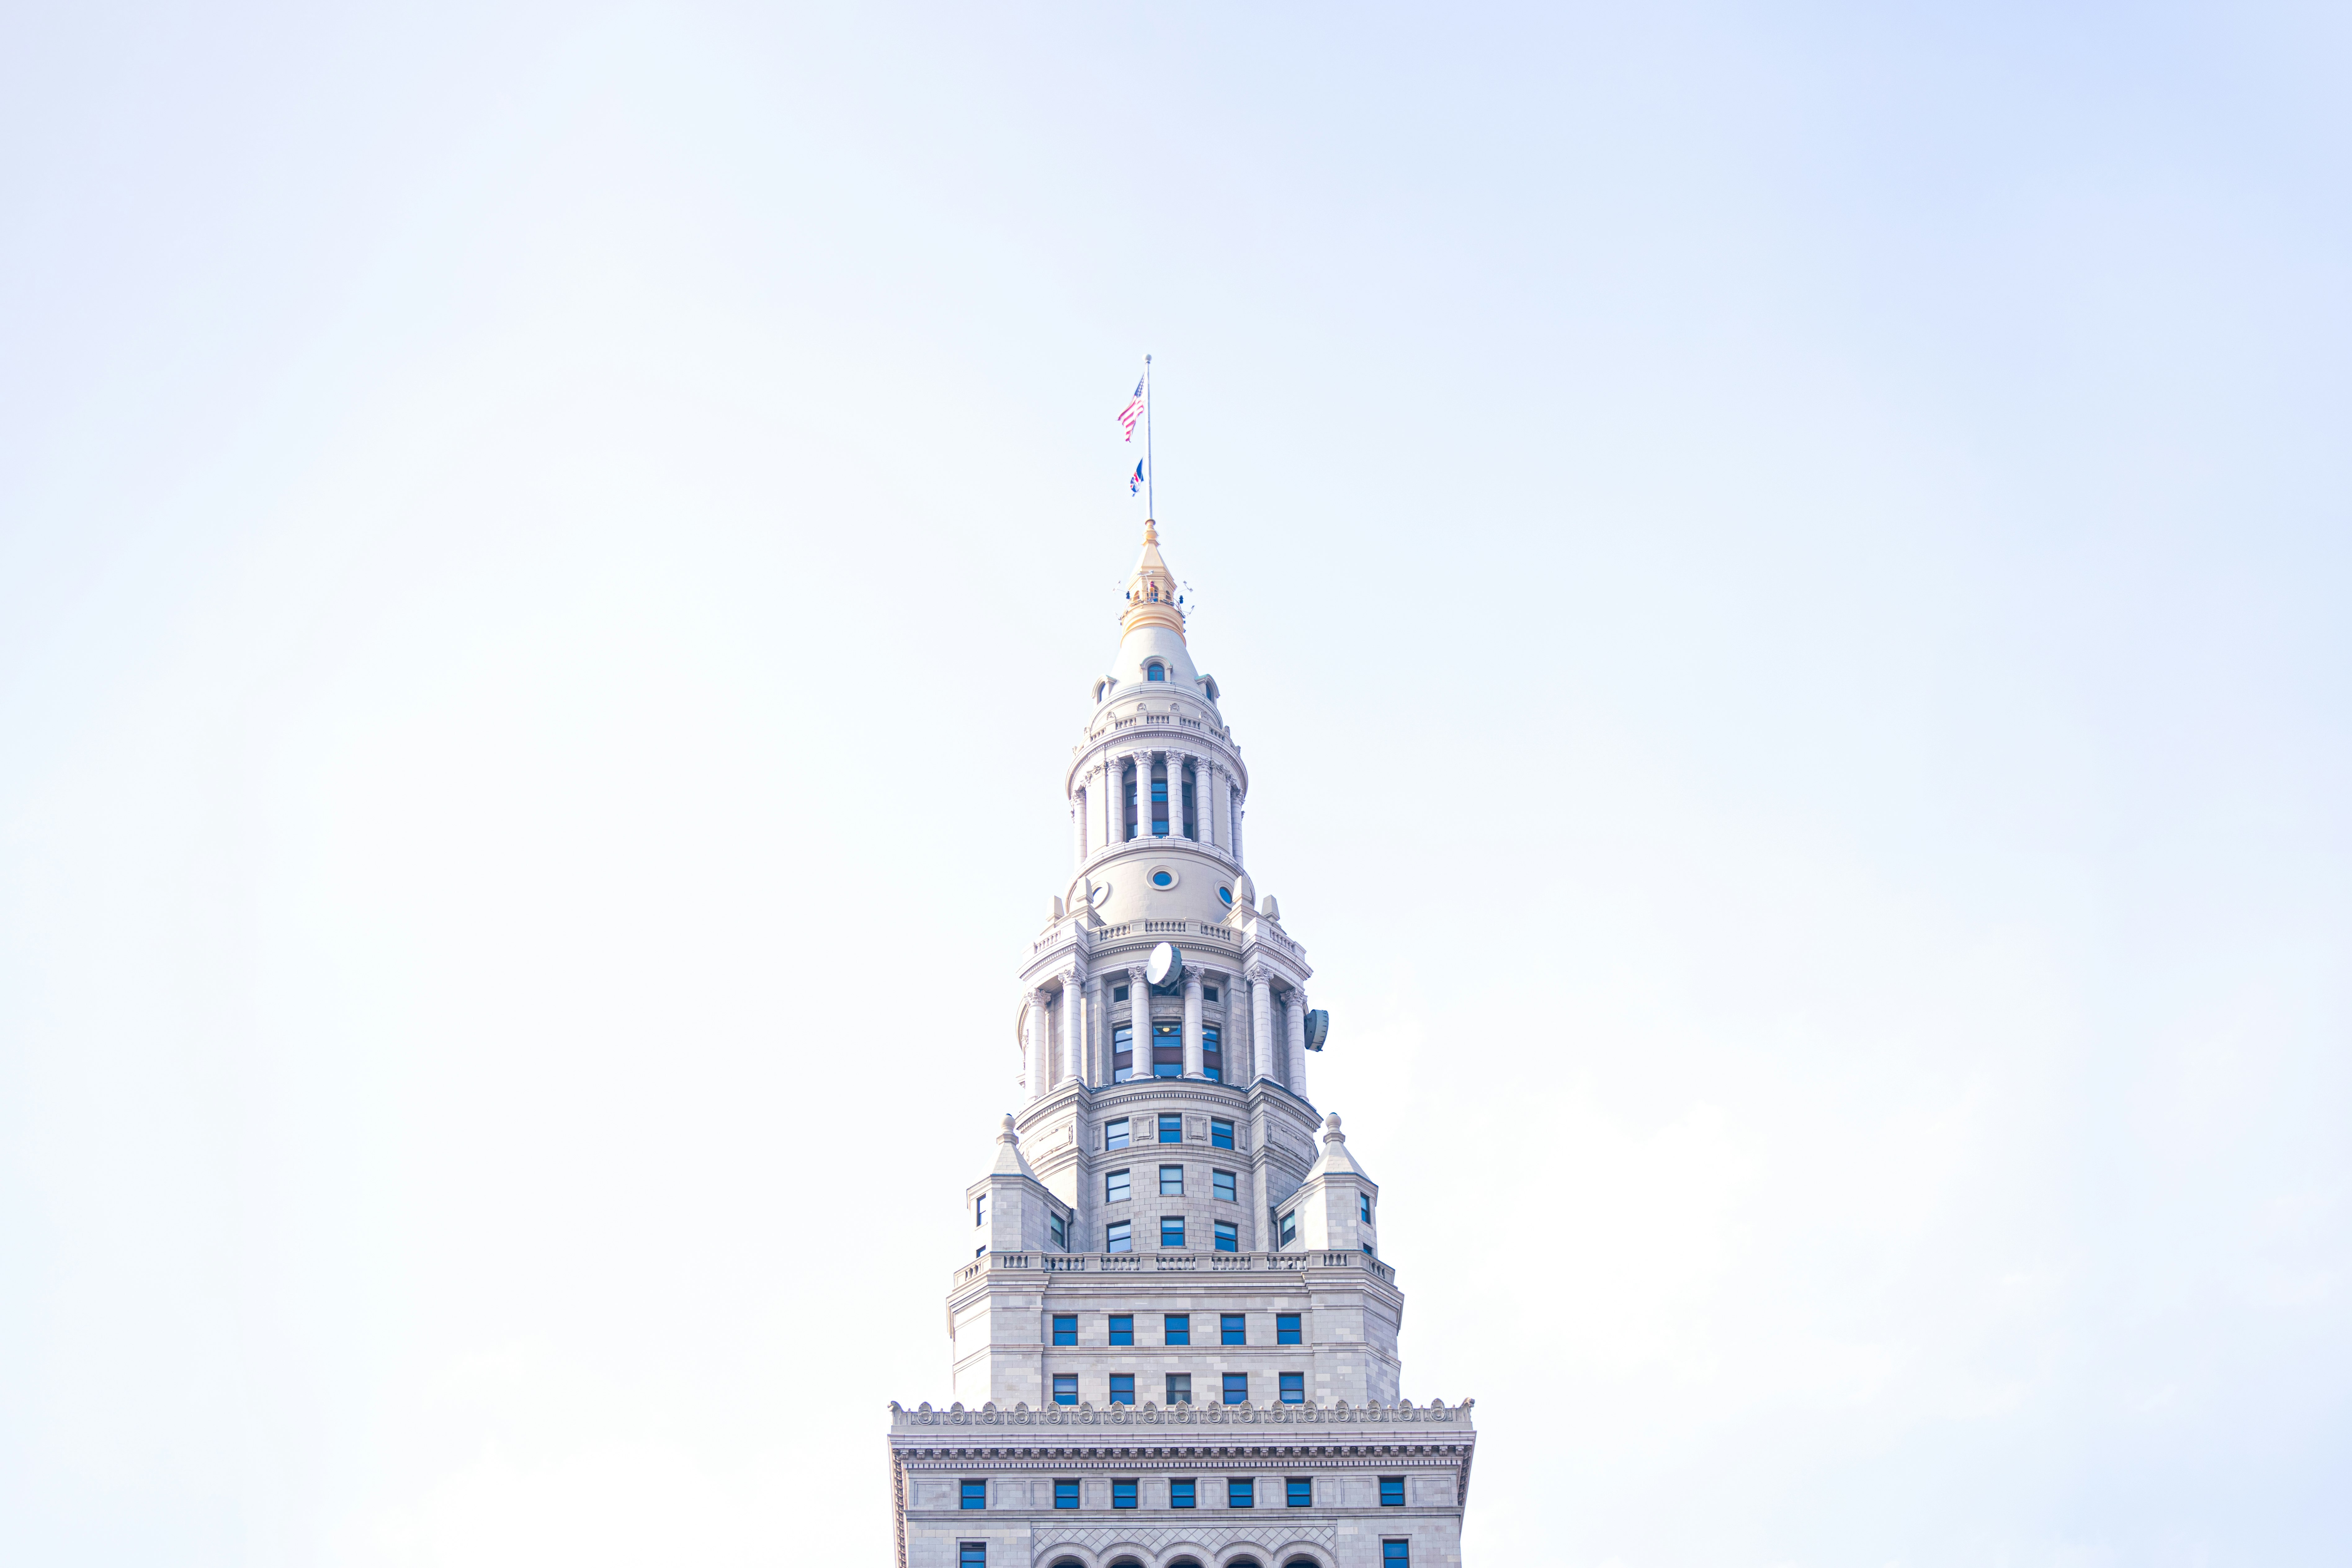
column 1175, row 1343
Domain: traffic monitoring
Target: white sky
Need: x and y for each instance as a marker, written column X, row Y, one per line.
column 1782, row 576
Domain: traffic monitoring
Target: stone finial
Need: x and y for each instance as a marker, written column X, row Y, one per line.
column 1269, row 908
column 1010, row 1136
column 1331, row 1133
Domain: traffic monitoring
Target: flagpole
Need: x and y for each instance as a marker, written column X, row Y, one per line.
column 1151, row 468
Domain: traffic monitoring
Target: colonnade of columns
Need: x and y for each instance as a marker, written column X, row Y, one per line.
column 1069, row 1037
column 1098, row 804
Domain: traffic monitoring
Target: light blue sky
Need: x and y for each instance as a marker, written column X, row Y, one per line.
column 1781, row 574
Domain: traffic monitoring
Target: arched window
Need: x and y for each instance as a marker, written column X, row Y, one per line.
column 1155, row 672
column 1242, row 1562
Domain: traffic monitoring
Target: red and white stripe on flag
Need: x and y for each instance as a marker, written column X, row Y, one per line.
column 1129, row 416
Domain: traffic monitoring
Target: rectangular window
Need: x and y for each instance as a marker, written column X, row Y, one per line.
column 1065, row 1494
column 1299, row 1490
column 975, row 1494
column 1057, row 1227
column 1238, row 1388
column 1118, row 993
column 1115, row 1239
column 1290, row 1227
column 1122, row 1330
column 1065, row 1330
column 1122, row 1388
column 1396, row 1555
column 1212, row 1055
column 1294, row 1388
column 1114, row 1186
column 1285, row 1328
column 1222, row 1185
column 979, row 1209
column 1122, row 1493
column 1391, row 1491
column 1189, row 831
column 1171, row 1180
column 1368, row 1250
column 1159, row 804
column 1168, row 1049
column 1229, row 1236
column 1171, row 1129
column 1115, row 1133
column 1180, row 1388
column 1364, row 1208
column 1179, row 1494
column 1221, row 1134
column 1176, row 1329
column 1171, row 1230
column 1065, row 1388
column 1233, row 1329
column 1122, row 1055
column 1241, row 1491
column 971, row 1554
column 1208, row 993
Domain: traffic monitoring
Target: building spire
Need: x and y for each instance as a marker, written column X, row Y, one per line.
column 1151, row 597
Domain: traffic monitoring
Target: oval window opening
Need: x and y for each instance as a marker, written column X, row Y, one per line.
column 1227, row 894
column 1162, row 879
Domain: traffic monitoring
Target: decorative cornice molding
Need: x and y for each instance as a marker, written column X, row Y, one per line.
column 1341, row 1413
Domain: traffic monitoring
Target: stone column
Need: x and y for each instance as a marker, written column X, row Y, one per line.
column 1295, row 1019
column 1237, row 825
column 1033, row 1070
column 1097, row 1067
column 1071, row 1068
column 1195, row 1066
column 1262, row 1041
column 1078, row 826
column 1139, row 1024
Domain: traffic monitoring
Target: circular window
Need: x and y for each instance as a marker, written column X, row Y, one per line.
column 1227, row 894
column 1162, row 876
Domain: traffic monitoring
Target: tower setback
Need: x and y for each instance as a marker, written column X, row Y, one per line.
column 1174, row 1344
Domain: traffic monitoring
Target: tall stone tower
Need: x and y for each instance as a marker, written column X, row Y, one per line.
column 1175, row 1342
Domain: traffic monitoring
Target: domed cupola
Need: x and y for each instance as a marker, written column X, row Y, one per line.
column 1151, row 595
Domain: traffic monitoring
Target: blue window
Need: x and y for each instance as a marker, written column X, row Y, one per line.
column 1171, row 1129
column 979, row 1209
column 1368, row 1250
column 1115, row 1133
column 1115, row 1239
column 1396, row 1555
column 1221, row 1186
column 1153, row 671
column 1065, row 1330
column 1171, row 1230
column 1122, row 1330
column 1233, row 1329
column 1177, row 1329
column 1238, row 1388
column 1114, row 1186
column 1122, row 1388
column 1180, row 1388
column 1227, row 895
column 1065, row 1494
column 1159, row 804
column 1162, row 879
column 1290, row 1227
column 1294, row 1388
column 1122, row 1493
column 1168, row 1056
column 1241, row 1491
column 1123, row 1063
column 971, row 1554
column 1171, row 1180
column 1179, row 1494
column 1299, row 1490
column 1221, row 1134
column 975, row 1494
column 1213, row 1061
column 1065, row 1388
column 1364, row 1208
column 1391, row 1491
column 1059, row 1229
column 1285, row 1328
column 1229, row 1236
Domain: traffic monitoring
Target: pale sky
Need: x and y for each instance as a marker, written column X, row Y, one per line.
column 1782, row 575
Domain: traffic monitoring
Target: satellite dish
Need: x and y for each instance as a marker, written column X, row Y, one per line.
column 1165, row 967
column 1318, row 1028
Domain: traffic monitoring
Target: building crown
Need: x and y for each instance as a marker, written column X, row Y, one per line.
column 1151, row 596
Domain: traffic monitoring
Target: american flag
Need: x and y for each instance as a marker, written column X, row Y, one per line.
column 1133, row 411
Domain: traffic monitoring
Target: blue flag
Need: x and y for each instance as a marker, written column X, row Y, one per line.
column 1136, row 483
